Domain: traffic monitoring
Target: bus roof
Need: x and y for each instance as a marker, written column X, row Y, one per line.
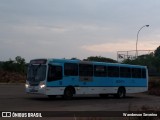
column 92, row 62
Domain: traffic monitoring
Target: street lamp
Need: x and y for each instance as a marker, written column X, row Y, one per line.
column 137, row 38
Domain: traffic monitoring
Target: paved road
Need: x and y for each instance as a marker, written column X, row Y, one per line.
column 14, row 98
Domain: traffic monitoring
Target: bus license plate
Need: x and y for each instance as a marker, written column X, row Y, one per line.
column 33, row 90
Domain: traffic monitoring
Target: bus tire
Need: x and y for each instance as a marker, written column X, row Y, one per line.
column 68, row 94
column 121, row 93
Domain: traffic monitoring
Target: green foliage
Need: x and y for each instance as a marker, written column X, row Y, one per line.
column 1, row 64
column 20, row 60
column 17, row 65
column 157, row 52
column 152, row 61
column 100, row 59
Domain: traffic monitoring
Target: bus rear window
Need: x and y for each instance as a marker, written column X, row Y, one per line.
column 143, row 73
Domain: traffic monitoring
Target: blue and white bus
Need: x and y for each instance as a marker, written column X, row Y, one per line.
column 68, row 78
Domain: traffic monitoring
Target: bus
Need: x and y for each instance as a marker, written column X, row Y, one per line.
column 68, row 78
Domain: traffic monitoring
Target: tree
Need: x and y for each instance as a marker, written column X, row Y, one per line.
column 8, row 65
column 17, row 65
column 157, row 52
column 100, row 59
column 20, row 60
column 149, row 60
column 20, row 63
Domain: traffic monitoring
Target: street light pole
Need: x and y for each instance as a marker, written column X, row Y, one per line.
column 137, row 38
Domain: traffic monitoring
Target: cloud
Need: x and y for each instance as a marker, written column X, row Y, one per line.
column 120, row 46
column 60, row 28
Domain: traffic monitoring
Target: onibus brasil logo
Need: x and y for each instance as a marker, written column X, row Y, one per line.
column 21, row 114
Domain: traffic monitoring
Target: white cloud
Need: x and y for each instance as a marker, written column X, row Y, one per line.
column 120, row 46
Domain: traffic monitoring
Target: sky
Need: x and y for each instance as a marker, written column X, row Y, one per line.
column 76, row 28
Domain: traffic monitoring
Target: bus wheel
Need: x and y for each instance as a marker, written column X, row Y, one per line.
column 68, row 94
column 121, row 93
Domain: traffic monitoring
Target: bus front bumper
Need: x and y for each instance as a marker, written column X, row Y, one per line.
column 35, row 89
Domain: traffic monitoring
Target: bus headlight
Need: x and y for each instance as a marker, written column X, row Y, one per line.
column 26, row 85
column 42, row 86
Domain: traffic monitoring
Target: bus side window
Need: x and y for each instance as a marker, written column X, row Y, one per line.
column 100, row 71
column 85, row 70
column 125, row 72
column 113, row 71
column 136, row 72
column 71, row 69
column 54, row 73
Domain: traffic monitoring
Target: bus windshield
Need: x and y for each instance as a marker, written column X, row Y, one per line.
column 36, row 72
